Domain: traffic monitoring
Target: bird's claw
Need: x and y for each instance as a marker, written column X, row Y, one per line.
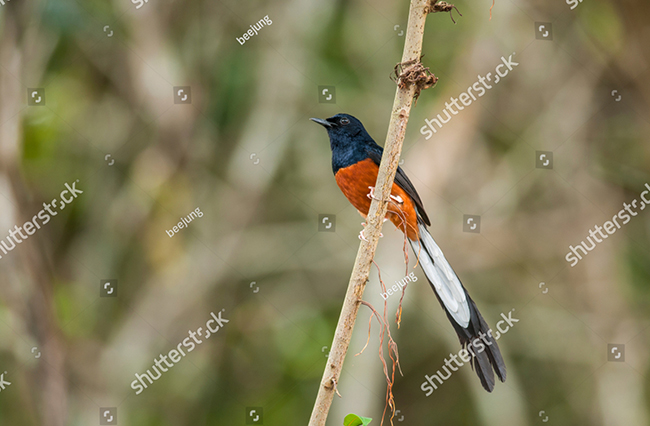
column 371, row 194
column 363, row 237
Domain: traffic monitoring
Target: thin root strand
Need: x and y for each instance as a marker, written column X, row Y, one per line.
column 434, row 6
column 413, row 73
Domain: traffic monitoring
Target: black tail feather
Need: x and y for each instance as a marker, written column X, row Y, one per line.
column 487, row 358
column 476, row 338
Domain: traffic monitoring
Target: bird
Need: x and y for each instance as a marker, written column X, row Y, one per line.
column 355, row 163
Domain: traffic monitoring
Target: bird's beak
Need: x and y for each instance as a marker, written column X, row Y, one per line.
column 322, row 122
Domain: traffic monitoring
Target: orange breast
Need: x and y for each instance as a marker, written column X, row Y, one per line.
column 355, row 181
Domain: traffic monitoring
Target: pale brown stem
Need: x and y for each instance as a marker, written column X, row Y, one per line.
column 366, row 253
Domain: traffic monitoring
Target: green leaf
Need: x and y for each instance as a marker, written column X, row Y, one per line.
column 354, row 420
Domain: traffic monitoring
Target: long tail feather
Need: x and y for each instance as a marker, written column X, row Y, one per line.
column 473, row 332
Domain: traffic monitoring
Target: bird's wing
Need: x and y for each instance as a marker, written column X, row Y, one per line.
column 403, row 182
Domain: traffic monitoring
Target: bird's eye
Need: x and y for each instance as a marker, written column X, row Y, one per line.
column 344, row 121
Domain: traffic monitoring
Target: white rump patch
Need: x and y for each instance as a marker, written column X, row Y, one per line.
column 397, row 198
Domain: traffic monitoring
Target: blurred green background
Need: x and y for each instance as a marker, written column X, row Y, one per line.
column 245, row 153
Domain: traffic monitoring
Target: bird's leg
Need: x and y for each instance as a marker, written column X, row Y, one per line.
column 363, row 237
column 371, row 194
column 364, row 223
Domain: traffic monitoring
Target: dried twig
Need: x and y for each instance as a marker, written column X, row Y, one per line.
column 392, row 349
column 374, row 313
column 413, row 73
column 434, row 6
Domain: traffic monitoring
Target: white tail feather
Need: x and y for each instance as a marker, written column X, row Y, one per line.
column 442, row 276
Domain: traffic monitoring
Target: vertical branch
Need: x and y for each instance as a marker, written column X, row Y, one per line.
column 392, row 149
